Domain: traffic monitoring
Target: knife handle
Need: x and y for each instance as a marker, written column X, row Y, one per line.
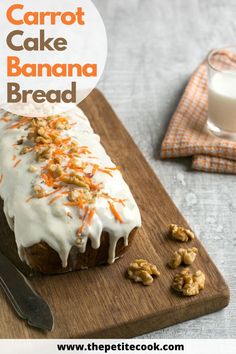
column 27, row 303
column 16, row 286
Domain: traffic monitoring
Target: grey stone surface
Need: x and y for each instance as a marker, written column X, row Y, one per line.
column 154, row 46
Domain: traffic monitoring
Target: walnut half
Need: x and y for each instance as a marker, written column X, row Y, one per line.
column 187, row 283
column 180, row 233
column 185, row 256
column 141, row 271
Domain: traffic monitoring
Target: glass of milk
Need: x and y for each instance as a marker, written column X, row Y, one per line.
column 222, row 92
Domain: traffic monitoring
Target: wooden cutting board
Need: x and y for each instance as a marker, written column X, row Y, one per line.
column 101, row 302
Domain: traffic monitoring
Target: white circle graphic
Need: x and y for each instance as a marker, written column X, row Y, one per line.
column 53, row 54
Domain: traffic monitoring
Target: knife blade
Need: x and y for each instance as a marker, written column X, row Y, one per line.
column 26, row 302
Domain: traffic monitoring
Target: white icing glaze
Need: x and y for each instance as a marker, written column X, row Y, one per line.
column 37, row 220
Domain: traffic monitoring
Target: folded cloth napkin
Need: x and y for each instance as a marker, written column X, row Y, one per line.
column 187, row 134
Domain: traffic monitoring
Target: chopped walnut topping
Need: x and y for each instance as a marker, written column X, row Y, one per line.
column 74, row 147
column 76, row 180
column 32, row 135
column 38, row 132
column 49, row 118
column 25, row 150
column 84, row 195
column 37, row 122
column 73, row 195
column 75, row 164
column 42, row 123
column 59, row 126
column 56, row 138
column 42, row 132
column 44, row 153
column 185, row 256
column 43, row 137
column 180, row 233
column 142, row 271
column 32, row 169
column 42, row 140
column 56, row 170
column 187, row 283
column 39, row 191
column 62, row 125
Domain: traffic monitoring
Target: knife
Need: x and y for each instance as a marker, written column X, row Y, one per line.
column 26, row 302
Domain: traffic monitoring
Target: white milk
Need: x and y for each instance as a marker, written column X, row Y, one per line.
column 222, row 101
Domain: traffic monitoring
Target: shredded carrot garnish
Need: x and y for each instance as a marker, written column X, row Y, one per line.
column 95, row 187
column 113, row 168
column 55, row 121
column 14, row 126
column 115, row 213
column 54, row 199
column 83, row 223
column 122, row 201
column 55, row 191
column 90, row 217
column 94, row 170
column 86, row 210
column 81, row 150
column 48, row 179
column 84, row 151
column 58, row 142
column 5, row 119
column 64, row 193
column 14, row 157
column 81, row 229
column 66, row 140
column 71, row 204
column 17, row 163
column 79, row 203
column 69, row 165
column 105, row 171
column 107, row 196
column 59, row 152
column 21, row 121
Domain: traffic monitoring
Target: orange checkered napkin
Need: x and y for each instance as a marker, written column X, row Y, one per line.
column 187, row 134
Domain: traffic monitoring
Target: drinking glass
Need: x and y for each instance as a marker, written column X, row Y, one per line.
column 222, row 92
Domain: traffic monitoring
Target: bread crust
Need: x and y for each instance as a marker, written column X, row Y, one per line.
column 42, row 258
